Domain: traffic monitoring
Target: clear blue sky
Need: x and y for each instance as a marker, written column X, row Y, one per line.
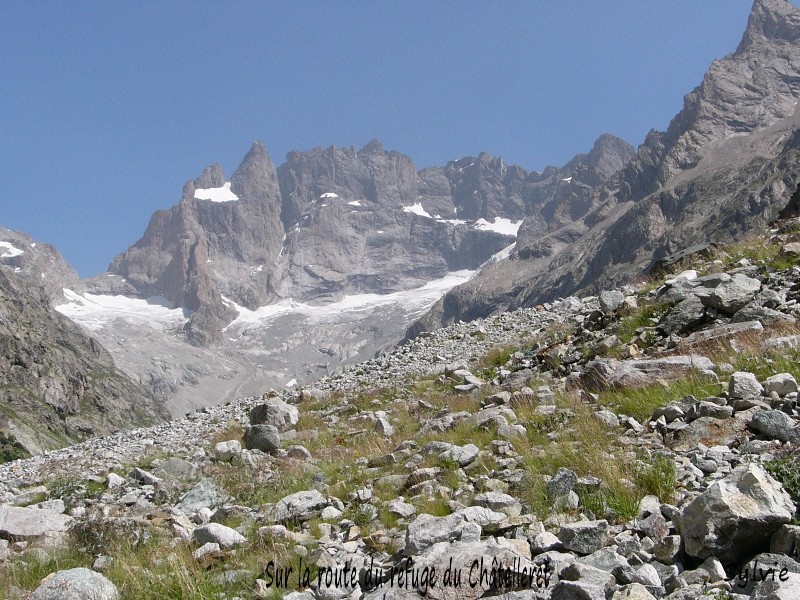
column 107, row 108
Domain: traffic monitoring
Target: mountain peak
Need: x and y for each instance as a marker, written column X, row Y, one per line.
column 771, row 20
column 373, row 147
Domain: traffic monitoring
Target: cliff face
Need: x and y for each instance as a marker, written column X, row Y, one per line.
column 728, row 163
column 58, row 385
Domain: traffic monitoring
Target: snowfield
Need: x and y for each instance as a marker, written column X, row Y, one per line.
column 94, row 311
column 417, row 210
column 220, row 194
column 413, row 302
column 500, row 225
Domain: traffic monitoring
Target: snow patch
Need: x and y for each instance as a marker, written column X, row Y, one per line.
column 452, row 221
column 328, row 195
column 94, row 311
column 498, row 256
column 354, row 203
column 220, row 194
column 10, row 250
column 291, row 383
column 567, row 179
column 500, row 225
column 417, row 210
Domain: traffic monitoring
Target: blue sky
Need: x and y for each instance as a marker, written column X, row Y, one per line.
column 107, row 108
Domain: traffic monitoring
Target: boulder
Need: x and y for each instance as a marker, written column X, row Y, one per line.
column 427, row 530
column 584, row 537
column 262, row 437
column 782, row 384
column 75, row 584
column 275, row 412
column 735, row 516
column 744, row 385
column 300, row 506
column 225, row 451
column 684, row 316
column 734, row 294
column 216, row 533
column 204, row 494
column 775, row 425
column 24, row 524
column 611, row 300
column 607, row 373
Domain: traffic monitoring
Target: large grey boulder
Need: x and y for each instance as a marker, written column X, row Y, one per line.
column 775, row 425
column 300, row 506
column 584, row 537
column 684, row 316
column 216, row 533
column 475, row 559
column 744, row 385
column 611, row 300
column 23, row 524
column 734, row 294
column 205, row 494
column 427, row 530
column 735, row 515
column 781, row 384
column 75, row 584
column 606, row 373
column 275, row 412
column 262, row 437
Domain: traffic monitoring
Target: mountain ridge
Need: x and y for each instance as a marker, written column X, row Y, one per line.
column 731, row 143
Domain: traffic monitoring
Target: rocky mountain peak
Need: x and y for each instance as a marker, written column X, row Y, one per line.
column 212, row 177
column 255, row 179
column 771, row 21
column 745, row 92
column 374, row 146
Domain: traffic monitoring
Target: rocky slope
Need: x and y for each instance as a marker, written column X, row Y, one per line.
column 630, row 445
column 57, row 385
column 728, row 163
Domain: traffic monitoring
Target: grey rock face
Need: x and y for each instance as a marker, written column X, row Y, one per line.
column 39, row 264
column 76, row 584
column 735, row 516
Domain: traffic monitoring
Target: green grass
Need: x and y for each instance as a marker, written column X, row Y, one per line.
column 640, row 402
column 11, row 449
column 766, row 364
column 646, row 315
column 786, row 469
